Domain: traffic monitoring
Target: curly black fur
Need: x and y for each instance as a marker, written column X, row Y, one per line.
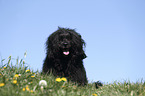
column 65, row 54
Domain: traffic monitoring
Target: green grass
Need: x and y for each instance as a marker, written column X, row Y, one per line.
column 18, row 80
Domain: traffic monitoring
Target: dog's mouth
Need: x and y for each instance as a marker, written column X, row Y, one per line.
column 66, row 53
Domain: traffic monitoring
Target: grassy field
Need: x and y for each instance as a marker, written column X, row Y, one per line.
column 18, row 80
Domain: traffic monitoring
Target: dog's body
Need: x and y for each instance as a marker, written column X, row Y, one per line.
column 65, row 56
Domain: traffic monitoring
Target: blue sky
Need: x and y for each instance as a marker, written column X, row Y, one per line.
column 114, row 31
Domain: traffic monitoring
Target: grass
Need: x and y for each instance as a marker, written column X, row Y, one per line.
column 19, row 80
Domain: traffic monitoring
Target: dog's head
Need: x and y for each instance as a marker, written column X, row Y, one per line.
column 65, row 43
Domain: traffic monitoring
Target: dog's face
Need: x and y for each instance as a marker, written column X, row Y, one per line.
column 65, row 43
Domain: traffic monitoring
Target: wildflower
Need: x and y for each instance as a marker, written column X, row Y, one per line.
column 16, row 75
column 2, row 84
column 63, row 79
column 32, row 76
column 28, row 70
column 14, row 81
column 27, row 88
column 31, row 91
column 94, row 95
column 58, row 79
column 43, row 83
column 5, row 67
column 23, row 89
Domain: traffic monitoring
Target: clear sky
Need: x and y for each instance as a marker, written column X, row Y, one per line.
column 114, row 31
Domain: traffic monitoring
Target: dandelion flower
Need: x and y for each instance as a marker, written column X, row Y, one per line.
column 27, row 88
column 31, row 91
column 94, row 95
column 43, row 83
column 32, row 76
column 58, row 79
column 2, row 84
column 63, row 79
column 16, row 75
column 5, row 67
column 14, row 81
column 28, row 70
column 23, row 89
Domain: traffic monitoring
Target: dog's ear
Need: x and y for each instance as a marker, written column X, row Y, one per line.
column 82, row 49
column 78, row 44
column 81, row 54
column 50, row 45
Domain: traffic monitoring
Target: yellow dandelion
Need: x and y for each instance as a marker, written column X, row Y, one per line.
column 2, row 84
column 94, row 95
column 5, row 67
column 31, row 91
column 58, row 79
column 28, row 70
column 14, row 81
column 63, row 79
column 27, row 88
column 16, row 75
column 23, row 89
column 32, row 76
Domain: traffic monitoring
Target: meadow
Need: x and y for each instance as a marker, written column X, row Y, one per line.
column 19, row 80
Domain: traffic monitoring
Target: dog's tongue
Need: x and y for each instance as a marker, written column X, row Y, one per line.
column 66, row 53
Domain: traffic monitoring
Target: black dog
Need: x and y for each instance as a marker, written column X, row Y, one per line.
column 65, row 54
